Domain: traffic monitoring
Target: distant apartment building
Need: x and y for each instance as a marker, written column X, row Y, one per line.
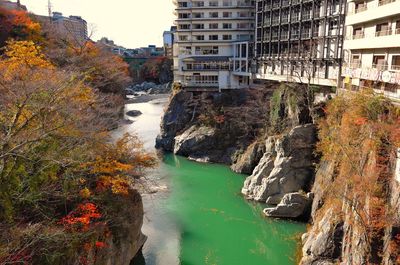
column 73, row 28
column 372, row 46
column 299, row 40
column 168, row 40
column 212, row 46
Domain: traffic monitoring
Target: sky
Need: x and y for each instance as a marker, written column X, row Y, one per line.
column 129, row 23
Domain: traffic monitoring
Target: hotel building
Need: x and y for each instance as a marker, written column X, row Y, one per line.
column 299, row 40
column 212, row 47
column 372, row 46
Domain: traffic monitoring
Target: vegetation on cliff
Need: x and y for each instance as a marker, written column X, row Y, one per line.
column 359, row 137
column 63, row 184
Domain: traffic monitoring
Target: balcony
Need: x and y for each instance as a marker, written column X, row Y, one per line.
column 385, row 32
column 358, row 35
column 306, row 16
column 375, row 11
column 385, row 2
column 379, row 39
column 284, row 35
column 380, row 67
column 360, row 9
column 285, row 19
column 306, row 35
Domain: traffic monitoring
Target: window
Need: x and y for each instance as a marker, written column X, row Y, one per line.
column 383, row 29
column 395, row 62
column 214, row 14
column 199, row 37
column 397, row 27
column 182, row 4
column 243, row 14
column 183, row 38
column 198, row 4
column 358, row 33
column 213, row 26
column 184, row 26
column 355, row 60
column 213, row 3
column 206, row 50
column 198, row 26
column 183, row 15
column 227, row 3
column 227, row 25
column 227, row 14
column 227, row 37
column 379, row 62
column 198, row 15
column 213, row 37
column 359, row 7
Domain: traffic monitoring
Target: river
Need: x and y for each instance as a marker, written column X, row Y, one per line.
column 198, row 216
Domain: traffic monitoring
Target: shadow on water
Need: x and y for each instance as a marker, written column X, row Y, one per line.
column 138, row 259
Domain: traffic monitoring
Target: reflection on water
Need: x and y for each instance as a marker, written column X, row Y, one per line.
column 201, row 218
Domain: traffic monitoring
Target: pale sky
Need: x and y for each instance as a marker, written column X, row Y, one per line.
column 130, row 23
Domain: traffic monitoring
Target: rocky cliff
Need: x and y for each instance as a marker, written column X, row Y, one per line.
column 127, row 238
column 355, row 212
column 334, row 165
column 212, row 126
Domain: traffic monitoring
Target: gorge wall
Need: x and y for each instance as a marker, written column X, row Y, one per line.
column 333, row 165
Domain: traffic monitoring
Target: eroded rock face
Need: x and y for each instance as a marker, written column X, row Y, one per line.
column 322, row 245
column 286, row 167
column 293, row 205
column 175, row 119
column 250, row 159
column 194, row 141
column 127, row 239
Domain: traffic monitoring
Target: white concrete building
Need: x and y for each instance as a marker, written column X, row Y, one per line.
column 212, row 49
column 372, row 46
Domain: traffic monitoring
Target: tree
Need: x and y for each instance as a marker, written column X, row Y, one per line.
column 59, row 174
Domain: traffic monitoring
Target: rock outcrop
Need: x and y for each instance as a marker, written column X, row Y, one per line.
column 293, row 205
column 246, row 162
column 286, row 167
column 195, row 142
column 213, row 126
column 127, row 238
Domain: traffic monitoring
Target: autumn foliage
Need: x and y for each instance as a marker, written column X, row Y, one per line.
column 17, row 24
column 361, row 133
column 60, row 174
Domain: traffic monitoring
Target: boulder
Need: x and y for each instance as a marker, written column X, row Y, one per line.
column 293, row 205
column 134, row 113
column 194, row 141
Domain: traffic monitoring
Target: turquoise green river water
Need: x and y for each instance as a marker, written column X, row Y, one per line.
column 199, row 217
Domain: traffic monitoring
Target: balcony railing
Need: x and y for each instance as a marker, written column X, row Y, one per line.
column 284, row 35
column 359, row 35
column 381, row 67
column 360, row 9
column 383, row 33
column 385, row 2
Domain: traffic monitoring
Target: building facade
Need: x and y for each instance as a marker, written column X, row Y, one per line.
column 212, row 46
column 168, row 40
column 372, row 46
column 299, row 40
